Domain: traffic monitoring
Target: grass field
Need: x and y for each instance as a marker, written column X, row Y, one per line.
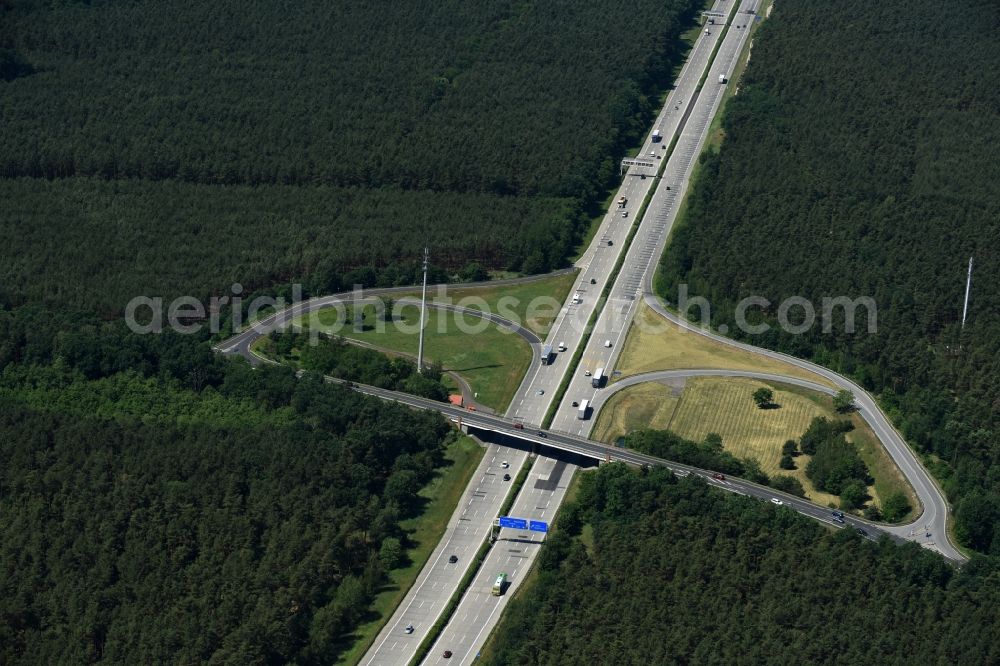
column 649, row 405
column 724, row 405
column 442, row 495
column 491, row 361
column 672, row 348
column 514, row 302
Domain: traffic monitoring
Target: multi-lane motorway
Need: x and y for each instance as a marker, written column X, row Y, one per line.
column 479, row 610
column 612, row 326
column 466, row 531
column 687, row 113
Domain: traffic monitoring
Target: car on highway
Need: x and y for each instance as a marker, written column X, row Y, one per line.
column 607, row 343
column 719, row 477
column 541, row 391
column 681, row 473
column 576, row 403
column 624, row 213
column 447, row 654
column 586, row 373
column 506, row 477
column 409, row 629
column 775, row 500
column 518, row 426
column 593, row 281
column 505, row 464
column 452, row 559
column 862, row 532
column 542, row 434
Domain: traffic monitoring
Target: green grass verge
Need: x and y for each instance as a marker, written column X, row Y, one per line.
column 533, row 305
column 492, row 361
column 423, row 532
column 470, row 574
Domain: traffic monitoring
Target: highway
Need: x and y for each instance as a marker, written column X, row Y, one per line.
column 240, row 344
column 689, row 116
column 598, row 261
column 600, row 452
column 479, row 612
column 930, row 528
column 612, row 325
column 467, row 529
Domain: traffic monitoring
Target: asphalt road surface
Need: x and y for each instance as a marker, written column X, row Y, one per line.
column 479, row 611
column 467, row 530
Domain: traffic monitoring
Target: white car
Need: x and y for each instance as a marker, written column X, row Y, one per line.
column 586, row 373
column 775, row 500
column 607, row 343
column 505, row 464
column 409, row 629
column 541, row 391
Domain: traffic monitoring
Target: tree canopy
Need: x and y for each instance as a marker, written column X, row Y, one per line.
column 645, row 568
column 849, row 169
column 186, row 147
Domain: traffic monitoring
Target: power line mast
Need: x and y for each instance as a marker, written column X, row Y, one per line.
column 968, row 287
column 423, row 315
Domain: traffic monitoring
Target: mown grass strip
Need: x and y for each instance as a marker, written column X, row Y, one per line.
column 470, row 575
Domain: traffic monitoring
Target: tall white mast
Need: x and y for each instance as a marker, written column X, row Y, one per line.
column 423, row 315
column 968, row 287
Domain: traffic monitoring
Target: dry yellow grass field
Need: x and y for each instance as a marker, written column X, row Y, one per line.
column 648, row 405
column 673, row 348
column 724, row 405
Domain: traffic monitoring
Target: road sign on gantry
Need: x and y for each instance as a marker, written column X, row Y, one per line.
column 513, row 523
column 538, row 526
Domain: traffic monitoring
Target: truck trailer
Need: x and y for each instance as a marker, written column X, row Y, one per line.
column 546, row 354
column 582, row 414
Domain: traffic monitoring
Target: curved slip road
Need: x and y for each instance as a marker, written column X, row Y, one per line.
column 930, row 528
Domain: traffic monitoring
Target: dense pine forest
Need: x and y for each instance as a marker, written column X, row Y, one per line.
column 207, row 143
column 860, row 161
column 648, row 569
column 157, row 502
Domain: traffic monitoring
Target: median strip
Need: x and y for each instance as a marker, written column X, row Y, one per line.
column 470, row 575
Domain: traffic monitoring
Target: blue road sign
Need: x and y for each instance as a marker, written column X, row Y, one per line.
column 538, row 526
column 514, row 523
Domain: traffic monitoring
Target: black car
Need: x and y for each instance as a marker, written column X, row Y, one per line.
column 862, row 532
column 593, row 281
column 447, row 654
column 506, row 477
column 453, row 559
column 542, row 434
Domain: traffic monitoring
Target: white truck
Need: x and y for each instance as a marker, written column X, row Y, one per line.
column 598, row 377
column 546, row 354
column 657, row 137
column 582, row 414
column 722, row 78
